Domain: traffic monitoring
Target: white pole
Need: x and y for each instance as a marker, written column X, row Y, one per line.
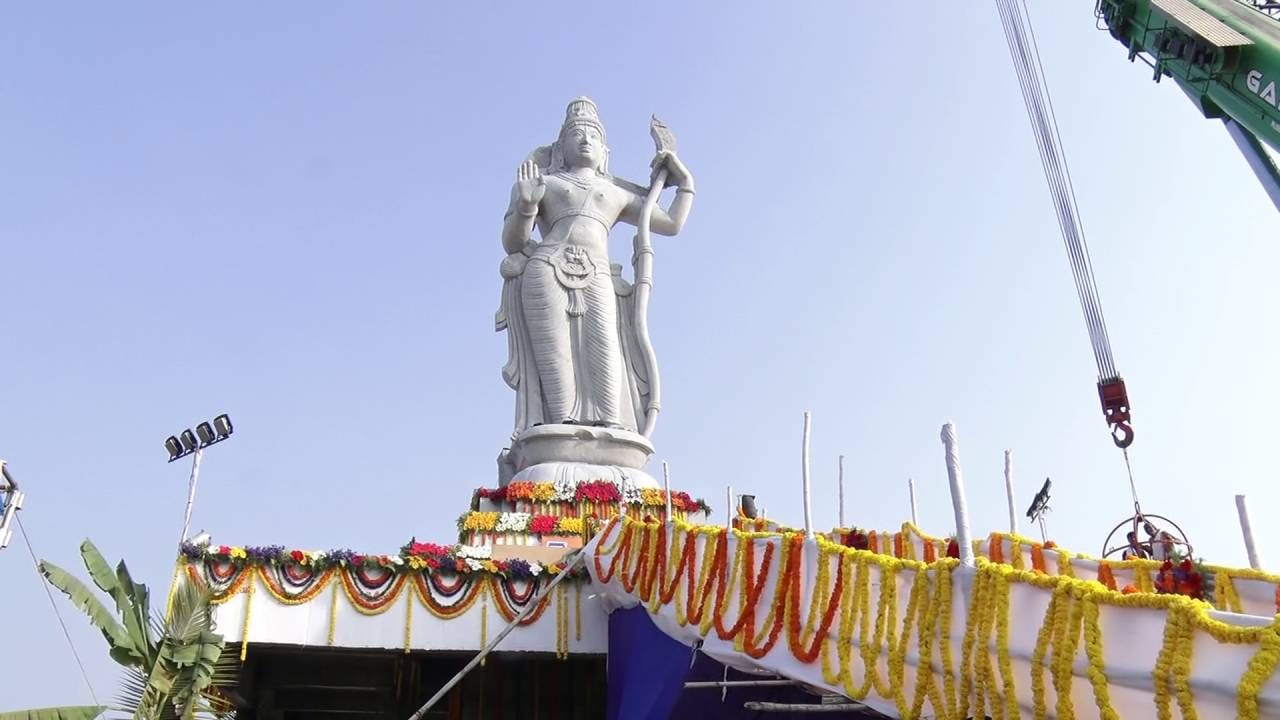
column 952, row 446
column 1008, row 489
column 666, row 484
column 728, row 506
column 1246, row 527
column 191, row 493
column 804, row 473
column 911, row 490
column 840, row 487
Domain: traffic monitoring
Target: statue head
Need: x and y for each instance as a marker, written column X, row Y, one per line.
column 582, row 139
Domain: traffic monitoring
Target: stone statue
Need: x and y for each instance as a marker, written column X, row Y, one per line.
column 579, row 352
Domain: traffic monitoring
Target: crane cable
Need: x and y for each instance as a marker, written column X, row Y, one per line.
column 53, row 604
column 1025, row 54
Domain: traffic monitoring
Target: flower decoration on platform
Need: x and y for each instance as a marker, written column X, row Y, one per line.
column 598, row 491
column 512, row 522
column 591, row 491
column 1182, row 576
column 542, row 525
column 570, row 525
column 414, row 556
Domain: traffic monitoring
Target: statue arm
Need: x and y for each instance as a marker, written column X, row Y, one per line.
column 522, row 211
column 517, row 224
column 671, row 220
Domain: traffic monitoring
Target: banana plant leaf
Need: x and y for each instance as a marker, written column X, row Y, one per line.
column 130, row 604
column 80, row 712
column 122, row 644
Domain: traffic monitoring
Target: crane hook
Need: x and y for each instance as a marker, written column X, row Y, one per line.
column 1115, row 406
column 1122, row 434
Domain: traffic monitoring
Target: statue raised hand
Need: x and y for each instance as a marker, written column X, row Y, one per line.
column 529, row 188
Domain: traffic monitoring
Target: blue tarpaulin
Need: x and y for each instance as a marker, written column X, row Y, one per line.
column 648, row 670
column 647, row 667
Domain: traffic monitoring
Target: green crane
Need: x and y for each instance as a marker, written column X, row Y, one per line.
column 1224, row 54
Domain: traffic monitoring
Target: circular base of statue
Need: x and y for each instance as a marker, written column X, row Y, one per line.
column 579, row 444
column 578, row 473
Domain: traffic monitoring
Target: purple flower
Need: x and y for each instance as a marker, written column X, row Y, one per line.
column 338, row 557
column 519, row 569
column 265, row 554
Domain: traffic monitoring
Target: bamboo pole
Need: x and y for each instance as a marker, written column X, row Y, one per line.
column 728, row 506
column 958, row 504
column 1008, row 489
column 1246, row 528
column 804, row 473
column 666, row 484
column 911, row 492
column 840, row 489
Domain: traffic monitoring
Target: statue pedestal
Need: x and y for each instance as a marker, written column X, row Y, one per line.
column 547, row 453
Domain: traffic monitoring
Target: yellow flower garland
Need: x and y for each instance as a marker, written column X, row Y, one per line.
column 1261, row 666
column 1097, row 669
column 408, row 624
column 333, row 612
column 248, row 610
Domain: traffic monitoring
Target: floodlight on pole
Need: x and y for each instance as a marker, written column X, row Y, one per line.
column 205, row 432
column 174, row 446
column 194, row 443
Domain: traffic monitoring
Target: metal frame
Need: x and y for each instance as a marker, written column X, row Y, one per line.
column 1135, row 522
column 10, row 503
column 1259, row 161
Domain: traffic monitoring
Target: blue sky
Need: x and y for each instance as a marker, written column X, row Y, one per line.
column 291, row 213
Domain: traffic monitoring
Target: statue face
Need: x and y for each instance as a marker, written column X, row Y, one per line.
column 582, row 146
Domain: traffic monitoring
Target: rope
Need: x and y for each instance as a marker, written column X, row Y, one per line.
column 54, row 605
column 1133, row 488
column 1025, row 54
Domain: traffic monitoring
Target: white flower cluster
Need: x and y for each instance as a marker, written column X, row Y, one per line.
column 479, row 552
column 473, row 555
column 566, row 489
column 512, row 522
column 630, row 491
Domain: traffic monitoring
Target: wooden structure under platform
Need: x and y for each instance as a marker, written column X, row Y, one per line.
column 281, row 682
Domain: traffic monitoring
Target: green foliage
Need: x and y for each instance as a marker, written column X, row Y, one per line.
column 174, row 666
column 124, row 646
column 83, row 712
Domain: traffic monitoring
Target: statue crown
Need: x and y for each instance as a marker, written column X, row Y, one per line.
column 582, row 111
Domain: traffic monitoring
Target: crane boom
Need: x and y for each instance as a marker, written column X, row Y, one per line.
column 1224, row 54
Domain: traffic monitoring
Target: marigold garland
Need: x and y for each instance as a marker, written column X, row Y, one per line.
column 408, row 625
column 1105, row 576
column 1046, row 633
column 1097, row 669
column 333, row 612
column 1162, row 674
column 1261, row 666
column 1002, row 646
column 244, row 629
column 1037, row 559
column 282, row 596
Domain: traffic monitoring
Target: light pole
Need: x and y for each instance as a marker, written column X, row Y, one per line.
column 193, row 443
column 10, row 503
